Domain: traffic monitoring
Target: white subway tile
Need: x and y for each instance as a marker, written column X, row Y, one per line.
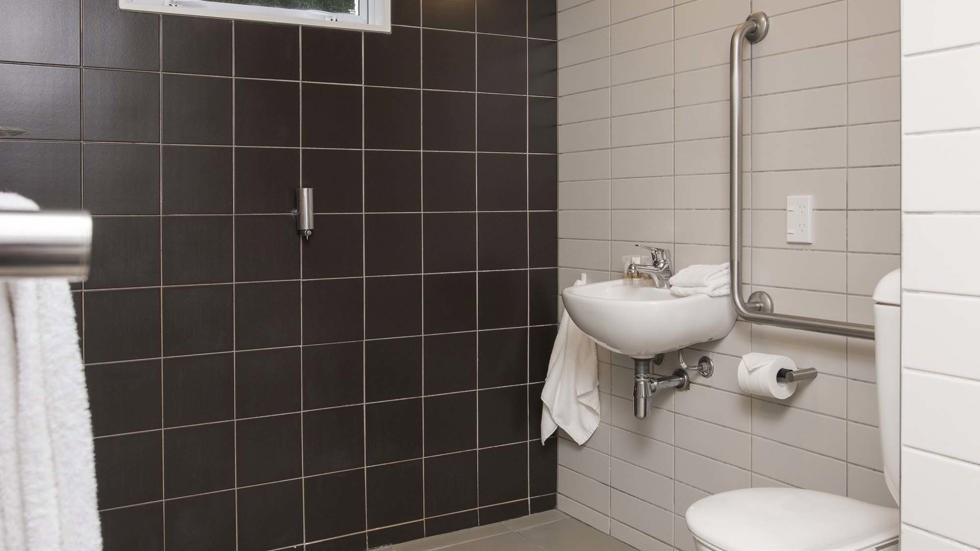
column 941, row 495
column 583, row 136
column 583, row 460
column 864, row 446
column 584, row 47
column 801, row 149
column 813, row 270
column 639, row 514
column 583, row 77
column 823, row 66
column 941, row 172
column 862, row 402
column 583, row 106
column 802, row 109
column 934, row 329
column 798, row 467
column 939, row 91
column 636, row 539
column 868, row 486
column 642, row 225
column 802, row 429
column 706, row 85
column 710, row 440
column 874, row 144
column 806, row 28
column 646, row 485
column 589, row 194
column 707, row 15
column 874, row 188
column 701, row 226
column 827, row 186
column 708, row 474
column 576, row 510
column 865, row 270
column 646, row 95
column 685, row 496
column 709, row 191
column 643, row 193
column 874, row 101
column 584, row 490
column 930, row 25
column 706, row 120
column 643, row 128
column 870, row 231
column 643, row 160
column 874, row 57
column 869, row 17
column 583, row 18
column 658, row 425
column 645, row 452
column 716, row 406
column 683, row 538
column 583, row 224
column 583, row 254
column 776, row 7
column 798, row 302
column 914, row 539
column 643, row 31
column 587, row 165
column 933, row 258
column 939, row 414
column 702, row 50
column 650, row 62
column 708, row 156
column 628, row 9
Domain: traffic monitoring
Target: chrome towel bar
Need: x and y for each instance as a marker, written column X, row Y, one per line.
column 758, row 308
column 55, row 244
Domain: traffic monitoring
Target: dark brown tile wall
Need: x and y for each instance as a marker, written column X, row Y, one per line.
column 249, row 391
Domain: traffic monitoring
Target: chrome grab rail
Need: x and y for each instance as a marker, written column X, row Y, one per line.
column 35, row 244
column 758, row 308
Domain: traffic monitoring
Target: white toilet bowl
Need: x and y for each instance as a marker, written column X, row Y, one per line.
column 791, row 519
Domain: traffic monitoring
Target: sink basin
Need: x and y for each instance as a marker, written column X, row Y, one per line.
column 642, row 322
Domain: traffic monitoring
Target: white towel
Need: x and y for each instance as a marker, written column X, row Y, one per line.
column 571, row 389
column 702, row 279
column 47, row 463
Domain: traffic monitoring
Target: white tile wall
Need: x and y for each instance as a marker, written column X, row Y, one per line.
column 643, row 137
column 941, row 298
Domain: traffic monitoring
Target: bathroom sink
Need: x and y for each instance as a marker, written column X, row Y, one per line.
column 642, row 321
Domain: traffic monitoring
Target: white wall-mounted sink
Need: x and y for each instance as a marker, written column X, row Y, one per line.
column 641, row 321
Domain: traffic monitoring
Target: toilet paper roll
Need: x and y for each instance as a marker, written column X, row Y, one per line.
column 757, row 375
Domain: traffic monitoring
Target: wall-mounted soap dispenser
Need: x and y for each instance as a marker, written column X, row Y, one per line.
column 304, row 211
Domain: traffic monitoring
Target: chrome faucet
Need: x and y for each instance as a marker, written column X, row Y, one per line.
column 659, row 268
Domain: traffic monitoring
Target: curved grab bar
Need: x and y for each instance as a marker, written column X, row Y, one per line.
column 754, row 29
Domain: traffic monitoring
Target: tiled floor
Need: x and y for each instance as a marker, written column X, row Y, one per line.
column 550, row 531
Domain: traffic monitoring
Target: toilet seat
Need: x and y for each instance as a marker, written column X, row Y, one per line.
column 790, row 519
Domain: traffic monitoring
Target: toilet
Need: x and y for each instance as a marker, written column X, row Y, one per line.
column 790, row 519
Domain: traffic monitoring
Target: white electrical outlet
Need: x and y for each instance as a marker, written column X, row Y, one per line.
column 799, row 219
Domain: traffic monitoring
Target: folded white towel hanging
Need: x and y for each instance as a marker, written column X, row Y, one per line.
column 47, row 464
column 702, row 279
column 571, row 389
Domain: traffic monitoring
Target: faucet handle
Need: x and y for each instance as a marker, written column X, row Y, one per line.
column 659, row 256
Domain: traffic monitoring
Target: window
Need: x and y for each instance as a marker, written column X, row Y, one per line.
column 363, row 15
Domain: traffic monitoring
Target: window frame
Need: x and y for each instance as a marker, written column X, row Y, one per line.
column 376, row 16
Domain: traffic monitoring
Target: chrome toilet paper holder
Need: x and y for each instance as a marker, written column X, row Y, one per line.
column 797, row 375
